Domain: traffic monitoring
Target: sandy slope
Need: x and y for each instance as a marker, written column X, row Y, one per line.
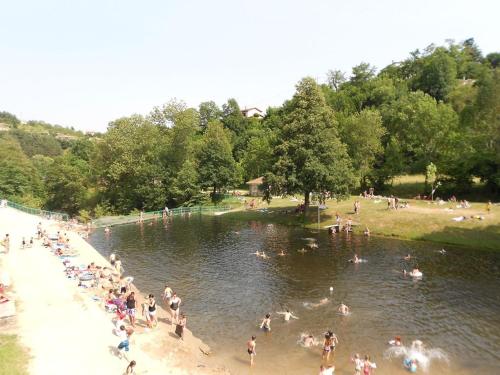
column 66, row 331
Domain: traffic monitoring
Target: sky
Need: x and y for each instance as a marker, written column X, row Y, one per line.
column 85, row 63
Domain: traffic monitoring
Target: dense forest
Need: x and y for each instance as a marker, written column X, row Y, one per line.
column 437, row 110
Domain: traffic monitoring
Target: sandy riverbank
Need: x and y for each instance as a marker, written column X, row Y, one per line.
column 66, row 331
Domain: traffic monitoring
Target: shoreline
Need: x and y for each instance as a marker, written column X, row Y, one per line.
column 55, row 311
column 423, row 221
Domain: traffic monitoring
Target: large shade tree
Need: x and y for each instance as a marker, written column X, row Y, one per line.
column 309, row 156
column 216, row 166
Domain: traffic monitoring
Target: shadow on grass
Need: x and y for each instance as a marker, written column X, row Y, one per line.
column 485, row 238
column 285, row 215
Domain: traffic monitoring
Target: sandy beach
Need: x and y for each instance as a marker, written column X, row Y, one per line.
column 66, row 331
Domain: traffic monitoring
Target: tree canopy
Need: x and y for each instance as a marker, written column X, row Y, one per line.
column 439, row 107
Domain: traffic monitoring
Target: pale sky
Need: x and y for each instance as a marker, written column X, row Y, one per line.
column 84, row 63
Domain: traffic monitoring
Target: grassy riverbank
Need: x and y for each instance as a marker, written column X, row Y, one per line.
column 13, row 358
column 422, row 220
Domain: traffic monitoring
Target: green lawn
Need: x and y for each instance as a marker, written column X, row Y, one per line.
column 13, row 358
column 421, row 221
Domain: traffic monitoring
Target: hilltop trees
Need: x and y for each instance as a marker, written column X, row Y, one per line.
column 440, row 105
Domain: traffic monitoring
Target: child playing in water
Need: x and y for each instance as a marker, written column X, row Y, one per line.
column 287, row 315
column 266, row 323
column 410, row 364
column 343, row 309
column 358, row 364
column 368, row 366
column 396, row 341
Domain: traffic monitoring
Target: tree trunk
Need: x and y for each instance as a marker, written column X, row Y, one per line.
column 306, row 201
column 214, row 194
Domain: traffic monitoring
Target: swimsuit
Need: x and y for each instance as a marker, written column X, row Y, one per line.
column 131, row 307
column 152, row 309
column 174, row 305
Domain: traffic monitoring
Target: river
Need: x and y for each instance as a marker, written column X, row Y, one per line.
column 226, row 291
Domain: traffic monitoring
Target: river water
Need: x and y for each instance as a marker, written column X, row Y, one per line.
column 226, row 291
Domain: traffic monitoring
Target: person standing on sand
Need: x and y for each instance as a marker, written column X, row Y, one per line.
column 167, row 294
column 152, row 311
column 181, row 324
column 39, row 230
column 130, row 368
column 124, row 335
column 251, row 344
column 131, row 310
column 175, row 304
column 6, row 243
column 118, row 266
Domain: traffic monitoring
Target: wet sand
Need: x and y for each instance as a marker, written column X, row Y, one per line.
column 66, row 331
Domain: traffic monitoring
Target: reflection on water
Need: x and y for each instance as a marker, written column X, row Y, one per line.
column 227, row 290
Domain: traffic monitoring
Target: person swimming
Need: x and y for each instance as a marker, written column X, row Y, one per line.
column 287, row 315
column 343, row 309
column 282, row 253
column 407, row 257
column 321, row 302
column 307, row 340
column 263, row 255
column 303, row 251
column 355, row 259
column 413, row 273
column 442, row 251
column 410, row 364
column 396, row 341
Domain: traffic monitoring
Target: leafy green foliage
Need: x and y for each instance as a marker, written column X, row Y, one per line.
column 440, row 105
column 66, row 184
column 362, row 133
column 18, row 177
column 216, row 165
column 38, row 143
column 129, row 164
column 9, row 119
column 309, row 156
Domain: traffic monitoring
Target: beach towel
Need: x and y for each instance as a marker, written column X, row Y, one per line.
column 7, row 309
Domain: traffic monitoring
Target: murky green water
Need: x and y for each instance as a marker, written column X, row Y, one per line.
column 226, row 291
